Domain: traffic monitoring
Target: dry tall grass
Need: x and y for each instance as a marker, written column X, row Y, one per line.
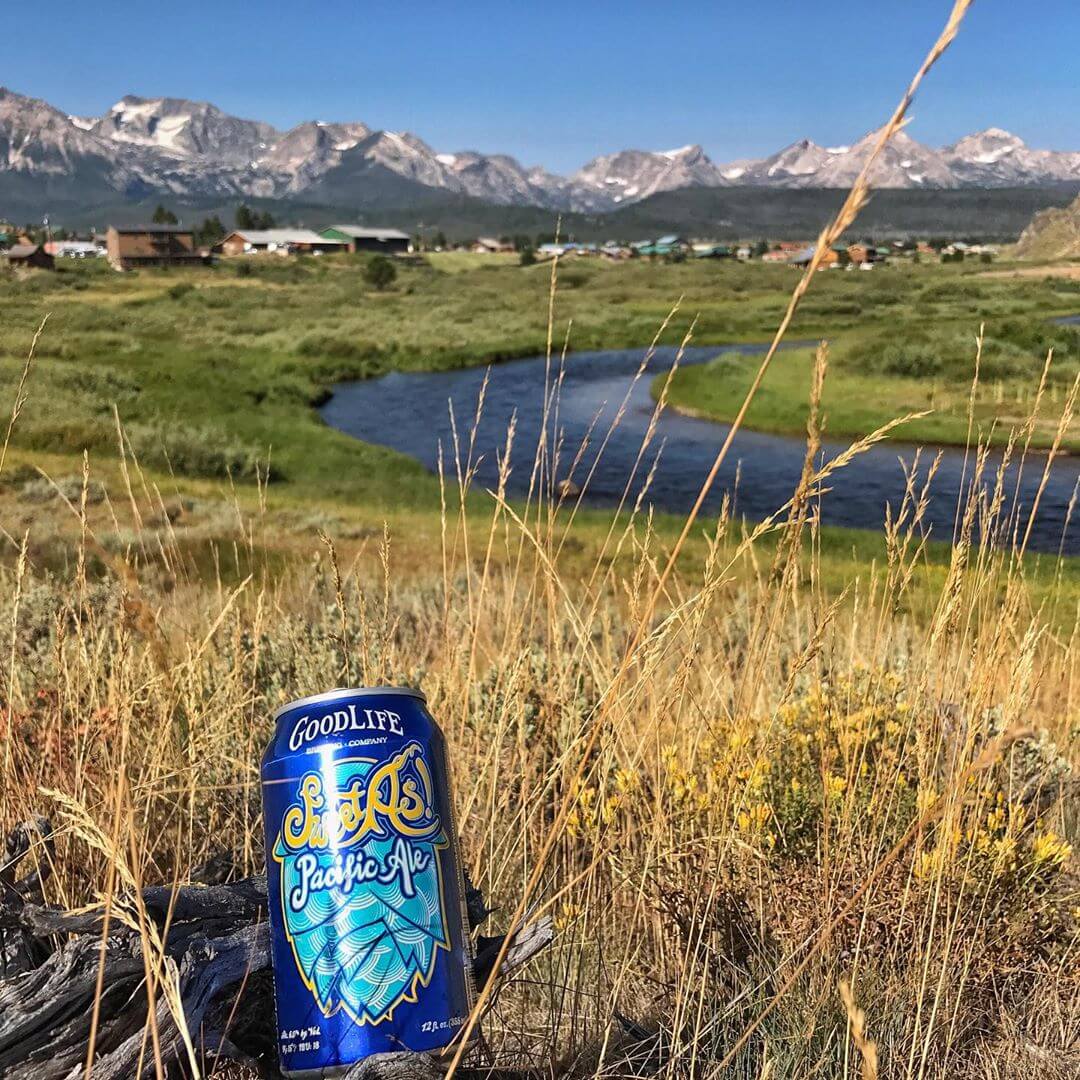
column 793, row 791
column 802, row 832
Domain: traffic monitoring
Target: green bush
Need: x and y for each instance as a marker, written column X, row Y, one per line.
column 380, row 272
column 195, row 451
column 322, row 346
column 1011, row 348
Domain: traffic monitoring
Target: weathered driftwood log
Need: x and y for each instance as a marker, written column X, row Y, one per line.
column 61, row 978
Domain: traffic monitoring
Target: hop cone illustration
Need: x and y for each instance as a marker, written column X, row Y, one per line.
column 367, row 948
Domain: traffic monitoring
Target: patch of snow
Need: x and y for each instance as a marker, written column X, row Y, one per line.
column 82, row 122
column 145, row 108
column 631, row 191
column 906, row 164
column 346, row 145
column 446, row 159
column 615, row 180
column 916, row 178
column 168, row 128
column 837, row 149
column 733, row 174
column 988, row 157
column 671, row 154
column 773, row 169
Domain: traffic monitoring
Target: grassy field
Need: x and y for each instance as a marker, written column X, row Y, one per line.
column 802, row 758
column 209, row 369
column 921, row 359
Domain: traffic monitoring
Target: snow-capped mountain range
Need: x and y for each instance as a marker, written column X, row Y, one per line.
column 180, row 148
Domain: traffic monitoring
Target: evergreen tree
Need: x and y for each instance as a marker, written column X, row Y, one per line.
column 210, row 232
column 164, row 216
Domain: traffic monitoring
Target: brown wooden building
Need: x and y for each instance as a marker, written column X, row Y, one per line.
column 151, row 245
column 28, row 255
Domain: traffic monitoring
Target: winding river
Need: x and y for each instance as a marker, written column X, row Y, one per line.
column 409, row 412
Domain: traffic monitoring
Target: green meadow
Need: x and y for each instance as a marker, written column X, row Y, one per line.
column 213, row 370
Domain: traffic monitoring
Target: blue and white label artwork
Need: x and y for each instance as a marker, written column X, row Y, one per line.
column 361, row 883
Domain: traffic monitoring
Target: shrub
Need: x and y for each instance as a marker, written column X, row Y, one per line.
column 322, row 346
column 380, row 273
column 195, row 451
column 572, row 279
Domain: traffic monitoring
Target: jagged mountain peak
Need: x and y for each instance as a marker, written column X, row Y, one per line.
column 636, row 174
column 182, row 147
column 183, row 128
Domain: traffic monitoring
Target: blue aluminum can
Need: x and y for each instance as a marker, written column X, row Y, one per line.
column 369, row 936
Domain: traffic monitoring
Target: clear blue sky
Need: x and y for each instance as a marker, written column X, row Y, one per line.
column 556, row 83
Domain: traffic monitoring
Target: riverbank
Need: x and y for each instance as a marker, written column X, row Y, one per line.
column 608, row 427
column 860, row 397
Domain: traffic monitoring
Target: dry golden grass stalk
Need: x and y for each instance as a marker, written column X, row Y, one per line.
column 21, row 393
column 857, row 1025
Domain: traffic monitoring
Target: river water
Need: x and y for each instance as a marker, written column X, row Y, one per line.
column 410, row 412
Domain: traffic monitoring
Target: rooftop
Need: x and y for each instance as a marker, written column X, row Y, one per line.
column 282, row 236
column 360, row 232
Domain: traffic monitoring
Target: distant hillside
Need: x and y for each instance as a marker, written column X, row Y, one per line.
column 987, row 213
column 725, row 213
column 458, row 217
column 1052, row 234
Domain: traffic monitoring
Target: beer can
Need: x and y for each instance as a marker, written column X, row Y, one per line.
column 371, row 951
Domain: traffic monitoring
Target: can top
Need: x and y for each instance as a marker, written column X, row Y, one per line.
column 351, row 691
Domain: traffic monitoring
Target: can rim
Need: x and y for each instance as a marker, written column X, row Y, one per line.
column 350, row 691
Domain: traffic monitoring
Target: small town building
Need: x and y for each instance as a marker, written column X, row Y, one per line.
column 783, row 251
column 667, row 246
column 74, row 249
column 130, row 247
column 28, row 256
column 805, row 257
column 362, row 238
column 278, row 242
column 713, row 251
column 489, row 245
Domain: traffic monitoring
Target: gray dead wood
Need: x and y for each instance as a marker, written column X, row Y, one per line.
column 217, row 952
